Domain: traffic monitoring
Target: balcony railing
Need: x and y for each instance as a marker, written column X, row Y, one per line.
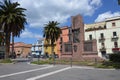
column 101, row 39
column 116, row 48
column 114, row 38
column 102, row 49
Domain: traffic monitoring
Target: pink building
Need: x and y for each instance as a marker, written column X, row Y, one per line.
column 21, row 49
column 63, row 39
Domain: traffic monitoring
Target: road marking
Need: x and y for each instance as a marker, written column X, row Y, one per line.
column 91, row 68
column 47, row 74
column 2, row 76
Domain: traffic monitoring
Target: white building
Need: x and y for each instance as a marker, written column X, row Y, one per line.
column 38, row 47
column 107, row 34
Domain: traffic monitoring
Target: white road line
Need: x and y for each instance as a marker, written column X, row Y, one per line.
column 47, row 74
column 92, row 68
column 83, row 67
column 2, row 76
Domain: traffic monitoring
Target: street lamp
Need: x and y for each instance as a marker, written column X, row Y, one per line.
column 39, row 51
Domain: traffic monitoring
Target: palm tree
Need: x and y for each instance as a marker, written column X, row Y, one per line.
column 12, row 19
column 52, row 33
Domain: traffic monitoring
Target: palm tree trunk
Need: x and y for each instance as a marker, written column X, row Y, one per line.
column 52, row 52
column 12, row 43
column 7, row 45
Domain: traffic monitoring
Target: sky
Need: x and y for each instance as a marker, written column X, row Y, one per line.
column 40, row 12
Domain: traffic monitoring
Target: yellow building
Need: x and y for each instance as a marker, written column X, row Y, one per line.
column 48, row 48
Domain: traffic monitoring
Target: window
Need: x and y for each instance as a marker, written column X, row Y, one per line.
column 102, row 44
column 39, row 42
column 60, row 39
column 61, row 48
column 105, row 26
column 90, row 37
column 113, row 24
column 115, row 44
column 114, row 34
column 102, row 35
column 68, row 48
column 70, row 38
column 88, row 46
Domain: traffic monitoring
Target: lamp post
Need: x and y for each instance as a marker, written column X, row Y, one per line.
column 72, row 35
column 39, row 51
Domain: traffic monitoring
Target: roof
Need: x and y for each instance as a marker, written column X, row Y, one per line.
column 21, row 44
column 113, row 18
column 95, row 25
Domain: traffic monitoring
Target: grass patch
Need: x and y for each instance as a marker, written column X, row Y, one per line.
column 5, row 61
column 108, row 64
column 41, row 62
column 104, row 64
column 64, row 62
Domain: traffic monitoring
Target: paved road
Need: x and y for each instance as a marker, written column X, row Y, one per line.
column 24, row 71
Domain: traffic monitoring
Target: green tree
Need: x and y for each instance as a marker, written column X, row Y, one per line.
column 12, row 20
column 52, row 33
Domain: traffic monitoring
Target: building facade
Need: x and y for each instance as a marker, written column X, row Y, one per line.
column 107, row 34
column 48, row 48
column 72, row 43
column 21, row 49
column 88, row 41
column 64, row 38
column 38, row 47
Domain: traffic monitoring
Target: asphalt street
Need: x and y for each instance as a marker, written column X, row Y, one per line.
column 25, row 71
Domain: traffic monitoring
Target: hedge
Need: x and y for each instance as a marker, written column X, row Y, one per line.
column 114, row 57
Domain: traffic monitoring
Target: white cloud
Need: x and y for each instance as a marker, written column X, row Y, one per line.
column 39, row 12
column 28, row 34
column 103, row 16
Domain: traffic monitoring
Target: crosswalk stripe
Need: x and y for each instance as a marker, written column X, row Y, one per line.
column 47, row 74
column 2, row 76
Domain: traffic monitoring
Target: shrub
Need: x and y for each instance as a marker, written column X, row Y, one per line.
column 5, row 61
column 114, row 57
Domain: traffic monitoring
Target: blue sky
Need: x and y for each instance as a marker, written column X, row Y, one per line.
column 39, row 12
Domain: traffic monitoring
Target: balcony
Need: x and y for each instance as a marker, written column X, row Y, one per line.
column 101, row 39
column 102, row 49
column 115, row 49
column 114, row 38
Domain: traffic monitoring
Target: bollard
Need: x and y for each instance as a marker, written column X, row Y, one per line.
column 71, row 61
